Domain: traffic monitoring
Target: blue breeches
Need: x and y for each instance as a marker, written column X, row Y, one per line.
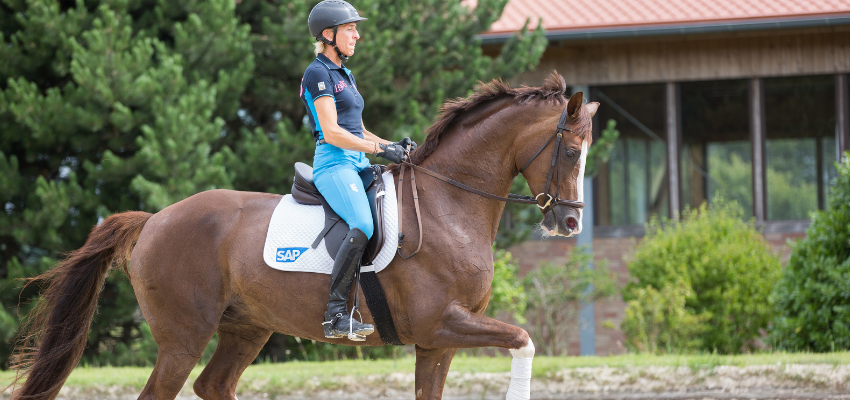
column 343, row 190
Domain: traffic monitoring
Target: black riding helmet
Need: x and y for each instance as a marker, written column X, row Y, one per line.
column 331, row 14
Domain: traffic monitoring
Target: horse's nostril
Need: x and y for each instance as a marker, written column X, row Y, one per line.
column 572, row 223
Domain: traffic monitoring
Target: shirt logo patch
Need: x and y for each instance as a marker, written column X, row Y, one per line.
column 353, row 187
column 340, row 86
column 321, row 86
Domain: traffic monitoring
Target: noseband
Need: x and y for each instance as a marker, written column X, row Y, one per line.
column 548, row 202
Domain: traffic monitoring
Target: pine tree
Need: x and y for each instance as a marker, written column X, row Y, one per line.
column 107, row 107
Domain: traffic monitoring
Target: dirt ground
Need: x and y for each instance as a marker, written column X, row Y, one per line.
column 781, row 381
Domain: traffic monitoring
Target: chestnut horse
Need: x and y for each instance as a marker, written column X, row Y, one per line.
column 197, row 266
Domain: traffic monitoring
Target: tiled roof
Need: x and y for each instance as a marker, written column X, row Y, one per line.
column 592, row 14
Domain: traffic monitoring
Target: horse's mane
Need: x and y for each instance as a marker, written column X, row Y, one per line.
column 552, row 91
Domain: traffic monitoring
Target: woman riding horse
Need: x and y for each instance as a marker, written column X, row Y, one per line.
column 334, row 108
column 197, row 266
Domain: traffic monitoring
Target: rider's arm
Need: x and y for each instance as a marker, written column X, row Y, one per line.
column 334, row 134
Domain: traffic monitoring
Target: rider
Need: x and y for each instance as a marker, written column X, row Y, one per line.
column 334, row 108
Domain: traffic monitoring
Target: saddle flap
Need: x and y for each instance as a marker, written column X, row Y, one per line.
column 375, row 194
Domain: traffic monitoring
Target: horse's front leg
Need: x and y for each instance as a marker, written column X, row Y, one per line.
column 432, row 366
column 461, row 328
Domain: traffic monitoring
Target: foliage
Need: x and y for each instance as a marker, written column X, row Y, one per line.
column 657, row 322
column 787, row 199
column 519, row 220
column 141, row 352
column 507, row 294
column 123, row 105
column 556, row 294
column 8, row 329
column 791, row 186
column 813, row 295
column 724, row 264
column 104, row 108
column 730, row 176
column 601, row 149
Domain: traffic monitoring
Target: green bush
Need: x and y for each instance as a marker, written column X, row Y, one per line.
column 8, row 330
column 506, row 293
column 658, row 322
column 813, row 295
column 556, row 294
column 725, row 264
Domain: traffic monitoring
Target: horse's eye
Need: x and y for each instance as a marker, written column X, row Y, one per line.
column 571, row 154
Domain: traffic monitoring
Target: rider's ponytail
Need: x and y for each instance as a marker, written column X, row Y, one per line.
column 319, row 47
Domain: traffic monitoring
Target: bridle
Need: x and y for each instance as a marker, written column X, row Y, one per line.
column 554, row 169
column 544, row 200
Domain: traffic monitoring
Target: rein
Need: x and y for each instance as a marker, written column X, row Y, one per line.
column 550, row 201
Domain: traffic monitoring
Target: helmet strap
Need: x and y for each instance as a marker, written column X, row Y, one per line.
column 342, row 57
column 322, row 39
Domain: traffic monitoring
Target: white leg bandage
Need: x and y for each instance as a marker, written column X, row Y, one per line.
column 520, row 387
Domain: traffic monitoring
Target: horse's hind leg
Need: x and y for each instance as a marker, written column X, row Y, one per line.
column 238, row 346
column 176, row 358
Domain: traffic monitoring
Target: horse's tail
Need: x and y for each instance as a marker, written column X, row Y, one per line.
column 57, row 328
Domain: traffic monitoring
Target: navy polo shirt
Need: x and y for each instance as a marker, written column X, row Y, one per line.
column 324, row 78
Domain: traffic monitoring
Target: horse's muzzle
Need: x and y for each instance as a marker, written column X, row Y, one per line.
column 562, row 220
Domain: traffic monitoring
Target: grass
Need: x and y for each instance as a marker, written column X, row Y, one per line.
column 261, row 377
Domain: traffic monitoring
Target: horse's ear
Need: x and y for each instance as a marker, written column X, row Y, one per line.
column 574, row 106
column 592, row 107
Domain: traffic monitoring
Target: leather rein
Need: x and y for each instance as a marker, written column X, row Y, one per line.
column 548, row 201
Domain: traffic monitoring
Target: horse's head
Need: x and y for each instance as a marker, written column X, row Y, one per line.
column 558, row 176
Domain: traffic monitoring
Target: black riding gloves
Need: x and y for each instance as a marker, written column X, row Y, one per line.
column 408, row 142
column 393, row 152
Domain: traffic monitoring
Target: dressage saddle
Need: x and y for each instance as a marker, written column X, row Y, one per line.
column 304, row 191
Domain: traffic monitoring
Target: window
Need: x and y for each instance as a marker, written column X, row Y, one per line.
column 716, row 155
column 633, row 185
column 799, row 144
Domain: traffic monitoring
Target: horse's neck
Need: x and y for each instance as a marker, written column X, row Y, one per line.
column 478, row 153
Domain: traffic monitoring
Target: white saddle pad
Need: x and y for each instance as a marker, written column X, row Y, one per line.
column 294, row 227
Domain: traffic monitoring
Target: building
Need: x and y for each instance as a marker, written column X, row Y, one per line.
column 746, row 99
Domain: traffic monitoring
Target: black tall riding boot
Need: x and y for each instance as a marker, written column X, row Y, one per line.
column 338, row 323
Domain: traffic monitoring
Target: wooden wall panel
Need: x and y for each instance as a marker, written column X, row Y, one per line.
column 688, row 58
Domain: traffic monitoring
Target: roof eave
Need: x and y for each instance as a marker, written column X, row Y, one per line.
column 561, row 35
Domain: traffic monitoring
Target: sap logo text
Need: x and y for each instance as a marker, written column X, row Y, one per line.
column 289, row 254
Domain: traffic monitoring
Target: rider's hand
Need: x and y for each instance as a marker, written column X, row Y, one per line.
column 408, row 142
column 393, row 152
